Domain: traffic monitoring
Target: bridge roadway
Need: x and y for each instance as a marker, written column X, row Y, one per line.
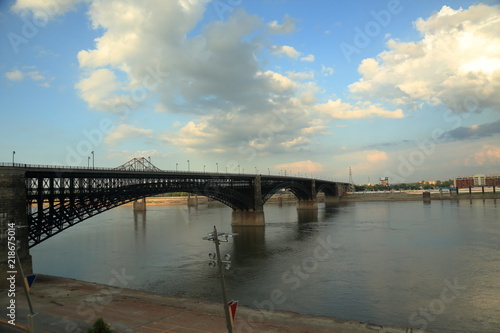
column 45, row 200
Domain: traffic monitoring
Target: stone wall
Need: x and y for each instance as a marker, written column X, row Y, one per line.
column 13, row 210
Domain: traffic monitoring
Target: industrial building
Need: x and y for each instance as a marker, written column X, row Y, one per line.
column 477, row 180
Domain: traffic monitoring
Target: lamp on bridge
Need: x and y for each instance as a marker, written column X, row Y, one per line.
column 93, row 160
column 188, row 165
column 13, row 154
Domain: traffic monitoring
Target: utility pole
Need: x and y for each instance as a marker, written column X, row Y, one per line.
column 351, row 181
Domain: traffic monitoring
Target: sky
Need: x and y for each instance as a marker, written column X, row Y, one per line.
column 408, row 90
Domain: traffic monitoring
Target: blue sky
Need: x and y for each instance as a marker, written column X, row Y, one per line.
column 404, row 89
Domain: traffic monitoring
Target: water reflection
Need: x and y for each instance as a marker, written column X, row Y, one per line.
column 140, row 226
column 307, row 215
column 392, row 257
column 250, row 242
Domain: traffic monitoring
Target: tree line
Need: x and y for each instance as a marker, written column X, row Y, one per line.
column 422, row 185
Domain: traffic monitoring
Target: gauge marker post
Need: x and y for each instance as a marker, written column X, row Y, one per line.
column 215, row 260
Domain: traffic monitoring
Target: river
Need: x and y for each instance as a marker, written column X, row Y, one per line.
column 432, row 266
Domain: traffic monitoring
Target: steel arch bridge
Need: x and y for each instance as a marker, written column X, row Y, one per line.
column 60, row 197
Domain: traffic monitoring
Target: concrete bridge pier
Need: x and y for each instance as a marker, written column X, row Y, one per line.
column 13, row 224
column 307, row 204
column 140, row 205
column 255, row 215
column 248, row 218
column 311, row 202
column 192, row 202
column 332, row 200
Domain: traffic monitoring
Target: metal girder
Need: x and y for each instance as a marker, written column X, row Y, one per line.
column 58, row 198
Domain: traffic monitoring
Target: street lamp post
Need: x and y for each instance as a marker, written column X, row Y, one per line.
column 176, row 164
column 203, row 168
column 188, row 166
column 214, row 237
column 217, row 166
column 93, row 160
column 88, row 162
column 13, row 154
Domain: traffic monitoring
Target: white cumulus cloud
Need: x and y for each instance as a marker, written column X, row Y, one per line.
column 286, row 50
column 123, row 132
column 15, row 75
column 456, row 63
column 339, row 110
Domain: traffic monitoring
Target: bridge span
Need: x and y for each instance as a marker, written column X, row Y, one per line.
column 42, row 201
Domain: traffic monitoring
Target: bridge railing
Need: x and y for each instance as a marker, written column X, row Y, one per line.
column 46, row 166
column 65, row 167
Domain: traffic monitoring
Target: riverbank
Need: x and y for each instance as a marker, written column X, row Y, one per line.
column 350, row 197
column 201, row 200
column 415, row 196
column 68, row 305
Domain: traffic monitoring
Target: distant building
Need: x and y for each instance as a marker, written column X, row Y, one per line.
column 384, row 181
column 477, row 180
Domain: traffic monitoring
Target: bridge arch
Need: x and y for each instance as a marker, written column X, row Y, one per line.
column 300, row 190
column 330, row 190
column 67, row 207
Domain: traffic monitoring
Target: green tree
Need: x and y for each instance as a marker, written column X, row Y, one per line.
column 100, row 326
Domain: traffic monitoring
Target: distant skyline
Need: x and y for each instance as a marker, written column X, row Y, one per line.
column 408, row 90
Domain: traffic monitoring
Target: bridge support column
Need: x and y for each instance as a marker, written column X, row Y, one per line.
column 312, row 202
column 331, row 200
column 13, row 223
column 248, row 218
column 307, row 204
column 255, row 216
column 140, row 205
column 192, row 202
